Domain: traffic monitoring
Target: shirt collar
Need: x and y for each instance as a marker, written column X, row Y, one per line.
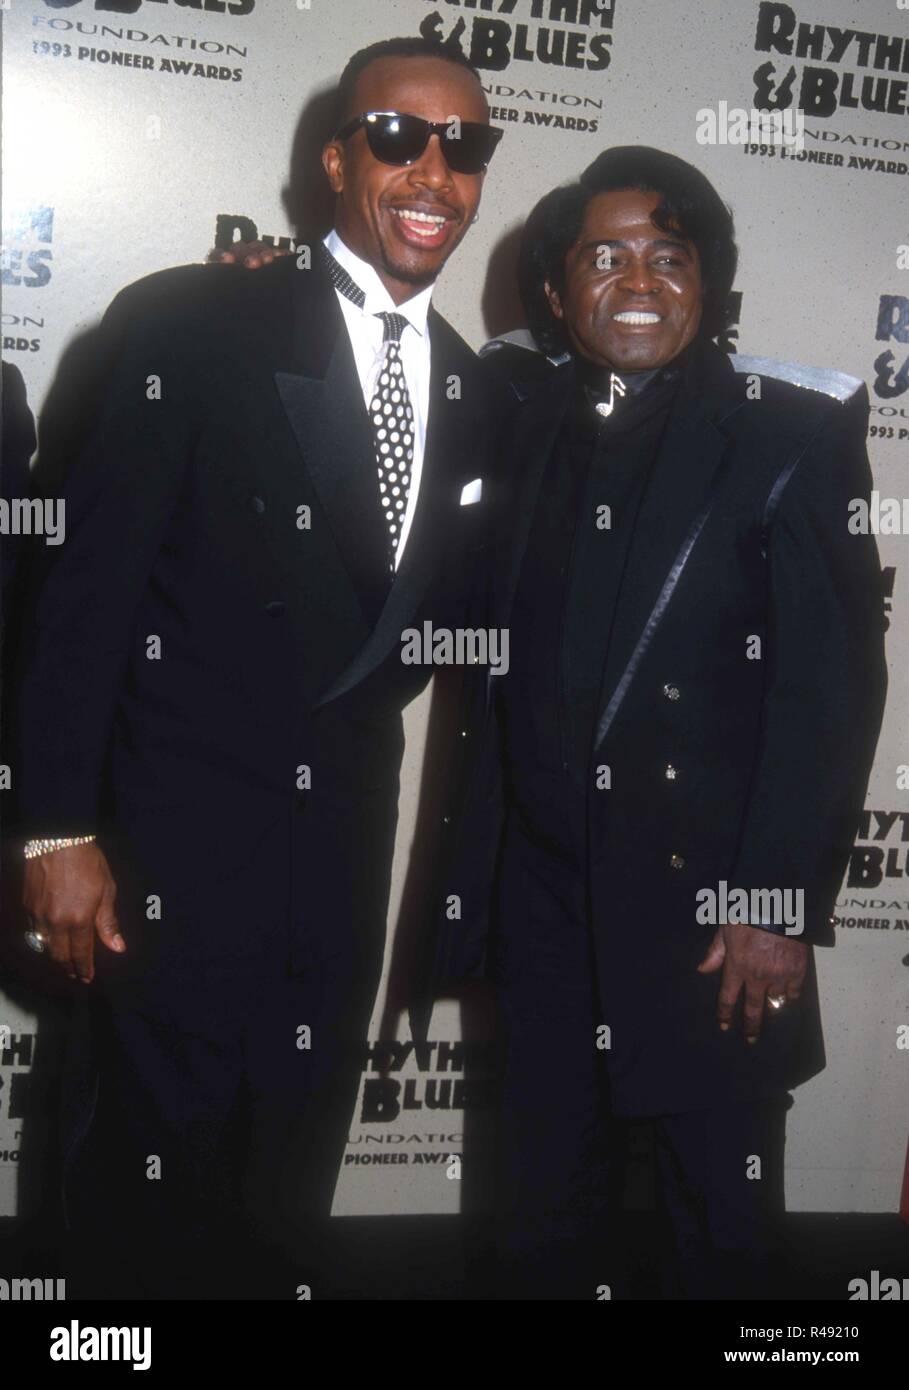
column 378, row 300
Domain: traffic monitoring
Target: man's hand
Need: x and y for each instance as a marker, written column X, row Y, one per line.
column 69, row 896
column 759, row 961
column 248, row 254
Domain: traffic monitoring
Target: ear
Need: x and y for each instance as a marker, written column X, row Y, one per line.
column 555, row 302
column 333, row 164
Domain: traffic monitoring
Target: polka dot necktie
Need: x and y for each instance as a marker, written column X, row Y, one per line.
column 392, row 424
column 390, row 412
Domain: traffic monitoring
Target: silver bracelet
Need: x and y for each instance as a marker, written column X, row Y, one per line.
column 35, row 847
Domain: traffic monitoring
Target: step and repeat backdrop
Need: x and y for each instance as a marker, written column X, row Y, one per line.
column 139, row 133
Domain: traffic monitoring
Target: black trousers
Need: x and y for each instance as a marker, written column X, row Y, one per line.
column 719, row 1171
column 202, row 1158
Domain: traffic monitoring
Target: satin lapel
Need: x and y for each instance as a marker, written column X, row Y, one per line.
column 451, row 438
column 324, row 404
column 678, row 500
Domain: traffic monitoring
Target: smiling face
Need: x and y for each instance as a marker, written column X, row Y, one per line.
column 633, row 294
column 382, row 210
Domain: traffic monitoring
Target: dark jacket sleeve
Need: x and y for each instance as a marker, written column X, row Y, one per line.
column 119, row 492
column 825, row 677
column 18, row 445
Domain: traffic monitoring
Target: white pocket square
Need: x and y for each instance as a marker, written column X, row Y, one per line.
column 471, row 492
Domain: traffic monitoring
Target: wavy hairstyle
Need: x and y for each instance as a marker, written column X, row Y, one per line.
column 689, row 205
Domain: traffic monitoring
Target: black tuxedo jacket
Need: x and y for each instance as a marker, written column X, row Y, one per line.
column 213, row 678
column 723, row 766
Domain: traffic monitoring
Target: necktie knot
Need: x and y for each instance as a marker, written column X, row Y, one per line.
column 394, row 325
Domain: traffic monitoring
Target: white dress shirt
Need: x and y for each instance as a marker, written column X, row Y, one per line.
column 366, row 333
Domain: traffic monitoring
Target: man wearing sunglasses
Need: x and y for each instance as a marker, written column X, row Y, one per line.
column 280, row 480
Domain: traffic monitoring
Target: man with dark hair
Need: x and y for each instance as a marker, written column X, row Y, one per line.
column 279, row 481
column 671, row 772
column 687, row 200
column 393, row 50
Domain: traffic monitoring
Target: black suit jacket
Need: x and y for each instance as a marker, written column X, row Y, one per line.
column 742, row 534
column 211, row 684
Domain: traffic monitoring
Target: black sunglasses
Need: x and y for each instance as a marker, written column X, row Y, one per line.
column 394, row 138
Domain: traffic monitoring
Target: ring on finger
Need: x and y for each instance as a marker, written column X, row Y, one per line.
column 35, row 940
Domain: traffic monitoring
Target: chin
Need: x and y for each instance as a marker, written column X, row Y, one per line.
column 626, row 357
column 418, row 270
column 647, row 362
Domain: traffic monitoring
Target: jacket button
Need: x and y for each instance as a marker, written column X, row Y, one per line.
column 671, row 692
column 275, row 608
column 676, row 861
column 670, row 772
column 257, row 505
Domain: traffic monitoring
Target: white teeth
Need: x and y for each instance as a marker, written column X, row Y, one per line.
column 425, row 231
column 407, row 215
column 630, row 317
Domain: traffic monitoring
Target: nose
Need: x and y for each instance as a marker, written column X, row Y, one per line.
column 638, row 277
column 431, row 169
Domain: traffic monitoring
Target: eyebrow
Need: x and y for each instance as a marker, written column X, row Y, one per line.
column 661, row 244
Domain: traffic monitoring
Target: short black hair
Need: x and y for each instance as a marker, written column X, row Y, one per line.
column 391, row 48
column 689, row 205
